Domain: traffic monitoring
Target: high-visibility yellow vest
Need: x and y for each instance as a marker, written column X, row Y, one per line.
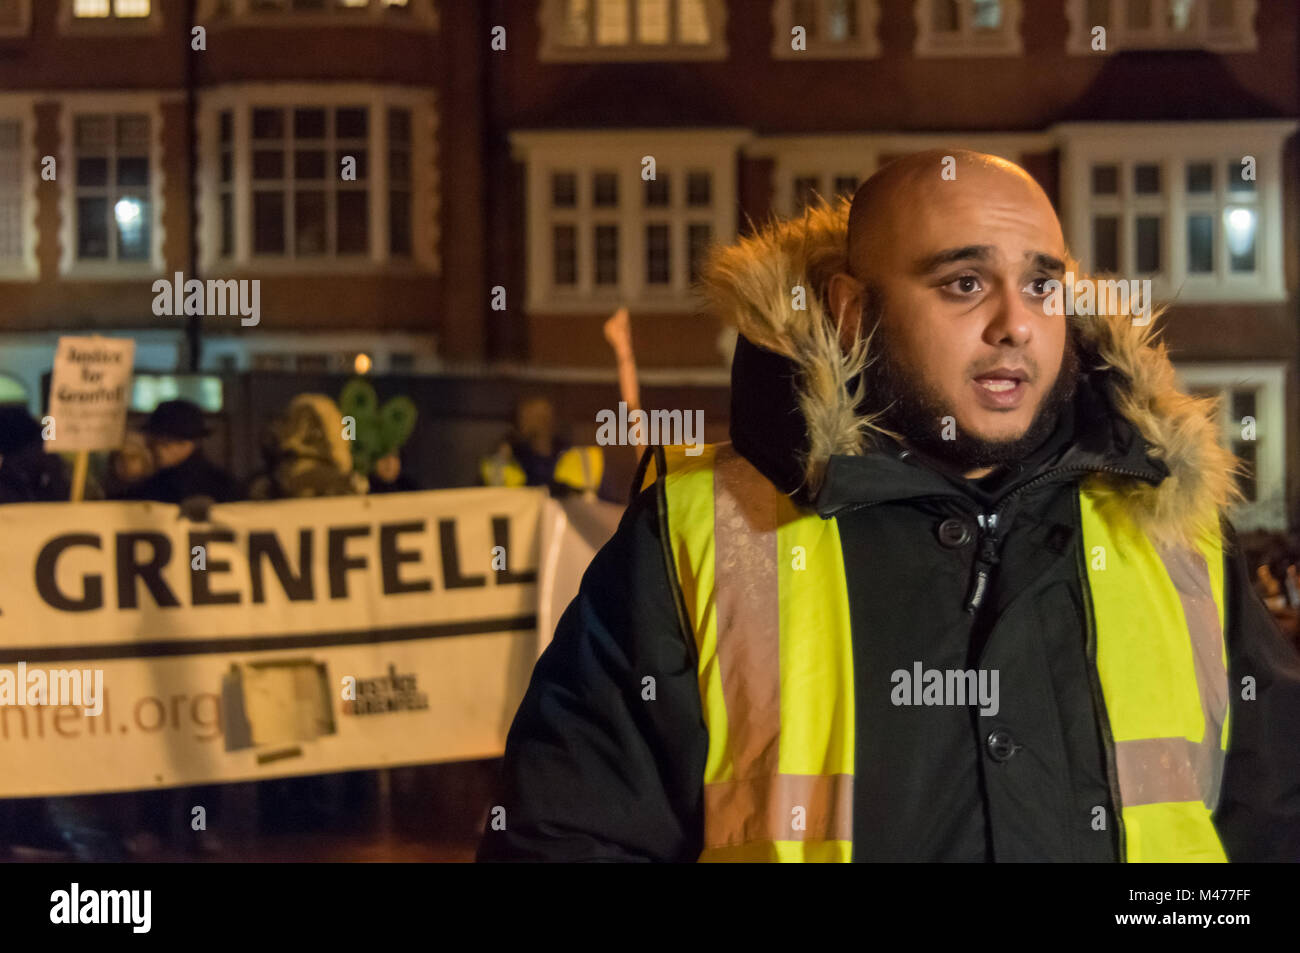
column 580, row 468
column 496, row 472
column 765, row 594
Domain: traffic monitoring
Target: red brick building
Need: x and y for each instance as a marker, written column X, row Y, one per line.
column 498, row 211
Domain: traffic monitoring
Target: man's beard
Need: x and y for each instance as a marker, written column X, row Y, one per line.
column 916, row 413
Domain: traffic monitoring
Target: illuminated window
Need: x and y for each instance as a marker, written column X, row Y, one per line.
column 121, row 9
column 632, row 29
column 114, row 212
column 1220, row 25
column 968, row 27
column 832, row 29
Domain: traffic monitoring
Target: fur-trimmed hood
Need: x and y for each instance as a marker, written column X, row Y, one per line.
column 751, row 285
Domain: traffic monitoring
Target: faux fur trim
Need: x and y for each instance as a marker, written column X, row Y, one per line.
column 755, row 285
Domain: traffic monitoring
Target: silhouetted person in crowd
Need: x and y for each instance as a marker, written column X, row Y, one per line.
column 27, row 473
column 175, row 430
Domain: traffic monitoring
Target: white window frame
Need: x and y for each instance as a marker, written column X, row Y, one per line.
column 1268, row 379
column 24, row 21
column 866, row 45
column 826, row 156
column 22, row 108
column 420, row 15
column 553, row 49
column 676, row 152
column 73, row 104
column 97, row 26
column 241, row 99
column 1242, row 38
column 1005, row 41
column 1172, row 145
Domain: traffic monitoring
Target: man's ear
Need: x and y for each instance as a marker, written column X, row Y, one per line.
column 844, row 298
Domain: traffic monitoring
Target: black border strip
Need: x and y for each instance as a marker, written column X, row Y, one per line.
column 263, row 643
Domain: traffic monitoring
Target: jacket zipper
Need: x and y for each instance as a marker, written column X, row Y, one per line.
column 990, row 535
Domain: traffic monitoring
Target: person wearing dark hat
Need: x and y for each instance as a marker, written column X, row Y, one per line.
column 27, row 473
column 174, row 431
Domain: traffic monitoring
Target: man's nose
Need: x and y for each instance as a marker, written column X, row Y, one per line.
column 1011, row 321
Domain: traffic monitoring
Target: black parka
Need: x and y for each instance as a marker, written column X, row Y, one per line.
column 594, row 770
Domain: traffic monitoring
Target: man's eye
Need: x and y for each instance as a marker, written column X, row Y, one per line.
column 965, row 285
column 1038, row 287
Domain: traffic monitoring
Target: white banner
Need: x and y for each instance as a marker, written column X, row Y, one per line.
column 293, row 637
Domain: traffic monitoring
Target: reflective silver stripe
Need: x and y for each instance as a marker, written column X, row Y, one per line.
column 748, row 614
column 810, row 807
column 1154, row 770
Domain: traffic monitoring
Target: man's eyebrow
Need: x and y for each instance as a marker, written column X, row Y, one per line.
column 948, row 256
column 1046, row 262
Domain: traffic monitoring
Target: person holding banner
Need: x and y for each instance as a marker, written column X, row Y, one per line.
column 27, row 473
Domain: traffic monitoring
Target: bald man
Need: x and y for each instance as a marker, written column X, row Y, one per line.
column 961, row 587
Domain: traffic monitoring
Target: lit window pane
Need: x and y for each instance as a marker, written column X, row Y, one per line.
column 1240, row 226
column 131, row 8
column 841, row 21
column 1148, row 244
column 133, row 132
column 1105, row 180
column 1200, row 177
column 611, row 22
column 606, row 254
column 90, row 8
column 1200, row 244
column 564, row 249
column 1180, row 15
column 657, row 255
column 692, row 22
column 652, row 21
column 132, row 218
column 986, row 14
column 1105, row 243
column 577, row 22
